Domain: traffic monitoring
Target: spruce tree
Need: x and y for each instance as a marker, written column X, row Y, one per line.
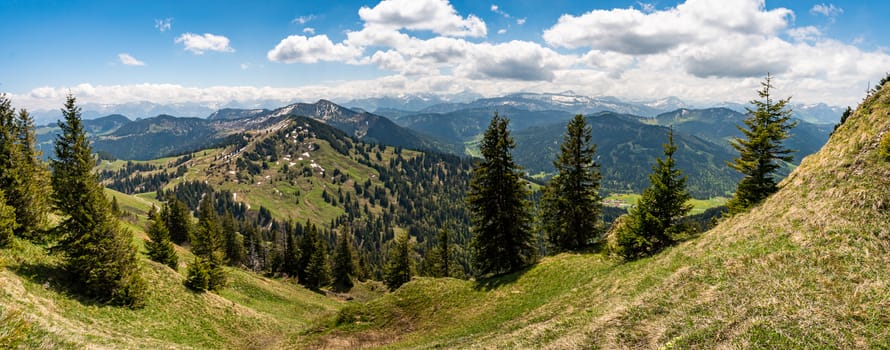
column 7, row 221
column 10, row 176
column 571, row 203
column 761, row 149
column 207, row 243
column 198, row 276
column 98, row 253
column 499, row 206
column 178, row 219
column 442, row 254
column 313, row 259
column 398, row 265
column 343, row 267
column 655, row 220
column 31, row 201
column 233, row 241
column 159, row 247
column 291, row 264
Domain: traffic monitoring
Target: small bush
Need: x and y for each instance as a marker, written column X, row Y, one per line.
column 198, row 278
column 884, row 147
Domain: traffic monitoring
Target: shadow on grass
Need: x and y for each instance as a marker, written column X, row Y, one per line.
column 52, row 277
column 488, row 283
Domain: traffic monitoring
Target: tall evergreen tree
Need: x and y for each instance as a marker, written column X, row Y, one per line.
column 233, row 240
column 291, row 261
column 31, row 201
column 178, row 218
column 343, row 267
column 98, row 253
column 159, row 247
column 442, row 254
column 10, row 176
column 7, row 221
column 655, row 220
column 313, row 259
column 761, row 149
column 571, row 202
column 499, row 206
column 207, row 243
column 398, row 265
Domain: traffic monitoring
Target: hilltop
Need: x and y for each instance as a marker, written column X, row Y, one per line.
column 805, row 269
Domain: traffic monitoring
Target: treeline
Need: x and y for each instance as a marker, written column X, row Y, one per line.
column 132, row 179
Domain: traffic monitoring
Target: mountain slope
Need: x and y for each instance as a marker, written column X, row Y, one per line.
column 251, row 312
column 365, row 126
column 718, row 125
column 626, row 150
column 808, row 268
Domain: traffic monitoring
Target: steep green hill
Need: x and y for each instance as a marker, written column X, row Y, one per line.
column 38, row 312
column 808, row 268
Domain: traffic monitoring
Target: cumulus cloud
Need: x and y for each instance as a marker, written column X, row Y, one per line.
column 437, row 16
column 502, row 31
column 128, row 60
column 309, row 30
column 164, row 25
column 301, row 49
column 632, row 31
column 198, row 44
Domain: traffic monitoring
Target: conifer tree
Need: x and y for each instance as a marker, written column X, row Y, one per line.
column 761, row 149
column 655, row 220
column 7, row 221
column 443, row 254
column 499, row 206
column 159, row 247
column 198, row 276
column 291, row 264
column 31, row 201
column 313, row 259
column 178, row 218
column 207, row 243
column 343, row 267
column 10, row 177
column 398, row 265
column 571, row 203
column 98, row 253
column 233, row 241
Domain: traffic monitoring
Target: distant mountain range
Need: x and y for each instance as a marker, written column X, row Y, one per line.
column 627, row 142
column 406, row 104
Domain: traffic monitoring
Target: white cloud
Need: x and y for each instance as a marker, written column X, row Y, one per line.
column 303, row 19
column 164, row 25
column 520, row 21
column 496, row 9
column 245, row 66
column 646, row 7
column 437, row 16
column 198, row 44
column 631, row 31
column 502, row 31
column 826, row 10
column 128, row 60
column 808, row 33
column 309, row 30
column 300, row 49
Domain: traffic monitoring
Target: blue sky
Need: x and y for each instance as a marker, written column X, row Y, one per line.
column 245, row 52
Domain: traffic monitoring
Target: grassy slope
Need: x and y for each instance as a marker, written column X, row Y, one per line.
column 806, row 269
column 252, row 312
